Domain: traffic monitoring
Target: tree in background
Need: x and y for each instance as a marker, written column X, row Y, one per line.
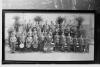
column 79, row 25
column 16, row 23
column 38, row 19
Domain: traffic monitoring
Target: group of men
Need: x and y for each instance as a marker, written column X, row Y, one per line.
column 46, row 38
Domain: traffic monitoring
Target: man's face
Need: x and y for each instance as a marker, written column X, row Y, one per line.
column 13, row 33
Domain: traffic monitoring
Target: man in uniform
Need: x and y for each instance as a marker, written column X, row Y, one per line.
column 35, row 40
column 75, row 43
column 13, row 41
column 63, row 42
column 22, row 39
column 29, row 39
column 86, row 45
column 56, row 41
column 81, row 43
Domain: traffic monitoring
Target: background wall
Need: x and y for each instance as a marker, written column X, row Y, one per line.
column 49, row 4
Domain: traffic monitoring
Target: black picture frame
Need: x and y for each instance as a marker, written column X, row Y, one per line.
column 44, row 62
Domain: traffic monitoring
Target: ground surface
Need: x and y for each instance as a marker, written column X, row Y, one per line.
column 54, row 56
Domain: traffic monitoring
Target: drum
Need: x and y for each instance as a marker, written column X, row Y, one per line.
column 21, row 45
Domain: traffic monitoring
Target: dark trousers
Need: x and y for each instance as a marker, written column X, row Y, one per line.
column 13, row 46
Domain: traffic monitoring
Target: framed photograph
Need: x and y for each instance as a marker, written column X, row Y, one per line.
column 48, row 37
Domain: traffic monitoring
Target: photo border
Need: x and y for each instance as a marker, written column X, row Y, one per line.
column 44, row 11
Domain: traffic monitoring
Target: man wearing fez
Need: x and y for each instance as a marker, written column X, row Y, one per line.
column 45, row 41
column 41, row 41
column 86, row 44
column 50, row 40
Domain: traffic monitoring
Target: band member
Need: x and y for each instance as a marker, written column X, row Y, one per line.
column 51, row 44
column 69, row 42
column 13, row 41
column 48, row 47
column 75, row 43
column 45, row 41
column 20, row 29
column 35, row 39
column 29, row 39
column 81, row 43
column 38, row 29
column 22, row 39
column 67, row 30
column 56, row 41
column 63, row 41
column 41, row 41
column 50, row 39
column 86, row 45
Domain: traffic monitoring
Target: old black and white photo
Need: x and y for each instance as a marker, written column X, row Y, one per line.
column 49, row 36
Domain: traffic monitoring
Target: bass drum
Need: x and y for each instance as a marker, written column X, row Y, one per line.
column 21, row 45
